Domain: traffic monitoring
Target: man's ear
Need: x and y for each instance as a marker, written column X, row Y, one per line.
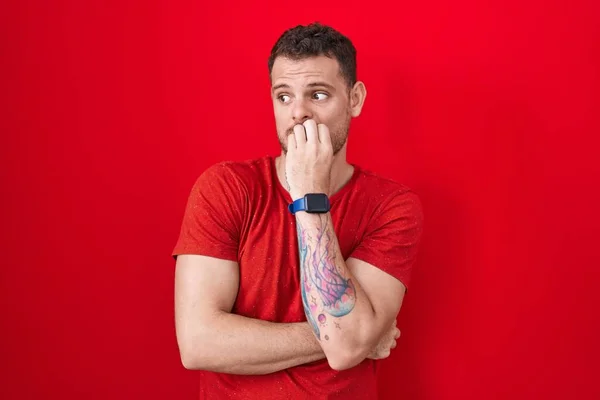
column 358, row 94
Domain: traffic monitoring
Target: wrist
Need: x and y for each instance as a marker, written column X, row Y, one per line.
column 312, row 203
column 300, row 193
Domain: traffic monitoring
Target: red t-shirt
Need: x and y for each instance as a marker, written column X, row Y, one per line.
column 238, row 211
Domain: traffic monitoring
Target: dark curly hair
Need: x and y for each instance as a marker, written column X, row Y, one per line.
column 317, row 40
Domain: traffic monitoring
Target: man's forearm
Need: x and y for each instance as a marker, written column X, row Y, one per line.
column 340, row 313
column 235, row 344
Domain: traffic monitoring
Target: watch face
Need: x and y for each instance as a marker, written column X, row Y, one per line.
column 317, row 203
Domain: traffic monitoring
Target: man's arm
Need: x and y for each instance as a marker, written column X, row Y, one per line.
column 350, row 304
column 211, row 338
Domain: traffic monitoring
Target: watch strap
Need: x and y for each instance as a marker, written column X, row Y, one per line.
column 297, row 205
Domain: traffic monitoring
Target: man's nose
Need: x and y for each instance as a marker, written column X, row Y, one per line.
column 301, row 111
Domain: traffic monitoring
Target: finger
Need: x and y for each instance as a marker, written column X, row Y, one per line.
column 397, row 333
column 300, row 135
column 394, row 344
column 324, row 136
column 291, row 142
column 312, row 134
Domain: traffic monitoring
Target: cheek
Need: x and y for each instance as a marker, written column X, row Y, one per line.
column 281, row 115
column 333, row 119
column 337, row 113
column 279, row 123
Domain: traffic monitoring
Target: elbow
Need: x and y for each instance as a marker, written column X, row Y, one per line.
column 341, row 364
column 196, row 360
column 198, row 352
column 189, row 364
column 189, row 359
column 193, row 355
column 343, row 359
column 353, row 352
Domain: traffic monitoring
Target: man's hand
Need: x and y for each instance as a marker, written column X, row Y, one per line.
column 309, row 159
column 387, row 342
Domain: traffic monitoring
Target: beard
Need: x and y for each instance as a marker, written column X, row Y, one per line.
column 338, row 133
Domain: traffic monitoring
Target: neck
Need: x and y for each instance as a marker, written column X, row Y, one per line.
column 341, row 171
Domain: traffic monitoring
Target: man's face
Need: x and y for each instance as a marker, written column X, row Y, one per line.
column 311, row 88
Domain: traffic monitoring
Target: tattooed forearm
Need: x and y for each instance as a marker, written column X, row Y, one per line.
column 326, row 292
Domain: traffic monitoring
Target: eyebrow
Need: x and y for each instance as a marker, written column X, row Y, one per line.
column 310, row 85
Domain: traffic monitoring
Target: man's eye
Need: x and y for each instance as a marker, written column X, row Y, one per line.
column 320, row 96
column 284, row 98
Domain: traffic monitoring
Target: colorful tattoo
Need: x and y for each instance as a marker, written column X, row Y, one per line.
column 320, row 275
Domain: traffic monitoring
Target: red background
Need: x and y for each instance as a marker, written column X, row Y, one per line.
column 489, row 111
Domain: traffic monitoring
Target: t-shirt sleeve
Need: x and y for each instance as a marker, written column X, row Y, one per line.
column 392, row 237
column 213, row 216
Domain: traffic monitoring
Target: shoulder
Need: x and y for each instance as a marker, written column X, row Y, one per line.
column 240, row 174
column 381, row 189
column 385, row 195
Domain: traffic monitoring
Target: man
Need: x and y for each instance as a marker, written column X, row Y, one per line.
column 291, row 270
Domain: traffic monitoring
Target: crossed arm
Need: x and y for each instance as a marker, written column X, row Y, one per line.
column 211, row 338
column 349, row 304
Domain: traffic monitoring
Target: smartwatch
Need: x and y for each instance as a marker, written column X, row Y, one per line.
column 314, row 203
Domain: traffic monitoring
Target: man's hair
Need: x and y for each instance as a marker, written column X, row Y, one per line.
column 314, row 40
